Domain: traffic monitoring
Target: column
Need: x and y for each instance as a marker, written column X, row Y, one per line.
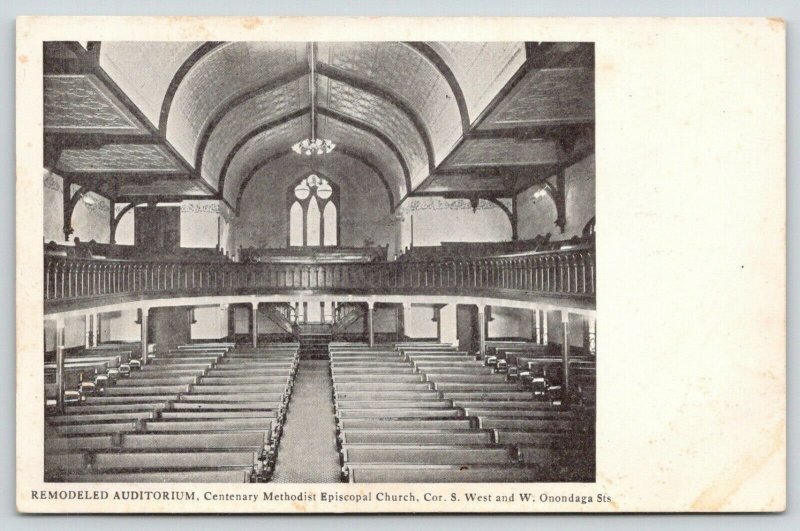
column 60, row 363
column 254, row 325
column 404, row 309
column 545, row 339
column 145, row 313
column 437, row 317
column 537, row 327
column 592, row 334
column 481, row 330
column 565, row 352
column 448, row 324
column 96, row 330
column 88, row 318
column 370, row 328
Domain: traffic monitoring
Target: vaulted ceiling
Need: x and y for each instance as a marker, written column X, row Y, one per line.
column 170, row 120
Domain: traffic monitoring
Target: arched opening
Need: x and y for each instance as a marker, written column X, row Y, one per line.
column 313, row 213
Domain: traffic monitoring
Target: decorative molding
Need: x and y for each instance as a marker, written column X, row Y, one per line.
column 207, row 207
column 414, row 205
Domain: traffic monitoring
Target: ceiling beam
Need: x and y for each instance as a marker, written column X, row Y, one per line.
column 441, row 65
column 196, row 56
column 365, row 85
column 231, row 104
column 357, row 124
column 223, row 172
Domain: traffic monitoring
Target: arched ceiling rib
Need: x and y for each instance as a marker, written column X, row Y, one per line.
column 481, row 68
column 284, row 164
column 126, row 61
column 402, row 70
column 226, row 71
column 270, row 139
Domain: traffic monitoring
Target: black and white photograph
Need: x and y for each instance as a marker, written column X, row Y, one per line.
column 319, row 262
column 350, row 265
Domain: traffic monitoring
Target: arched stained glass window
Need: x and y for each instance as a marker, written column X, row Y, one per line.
column 313, row 212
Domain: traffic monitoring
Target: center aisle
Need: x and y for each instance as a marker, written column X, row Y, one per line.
column 308, row 452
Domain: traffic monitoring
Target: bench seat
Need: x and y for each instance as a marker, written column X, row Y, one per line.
column 399, row 413
column 173, row 460
column 384, row 386
column 143, row 399
column 114, row 408
column 393, row 404
column 234, row 397
column 343, row 371
column 537, row 438
column 188, row 476
column 425, row 394
column 253, row 440
column 157, row 382
column 53, row 445
column 525, row 424
column 230, row 380
column 124, row 390
column 440, row 437
column 89, row 429
column 364, row 473
column 98, row 417
column 225, row 406
column 475, row 387
column 207, row 389
column 366, row 378
column 427, row 454
column 507, row 404
column 227, row 414
column 260, row 424
column 466, row 378
column 404, row 424
column 488, row 395
column 521, row 413
column 244, row 373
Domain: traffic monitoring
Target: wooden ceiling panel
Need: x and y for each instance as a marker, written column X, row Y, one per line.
column 80, row 103
column 116, row 159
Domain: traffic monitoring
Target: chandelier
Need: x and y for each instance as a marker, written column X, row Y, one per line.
column 313, row 145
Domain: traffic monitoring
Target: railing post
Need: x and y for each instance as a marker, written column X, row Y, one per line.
column 60, row 333
column 254, row 327
column 565, row 353
column 144, row 341
column 370, row 329
column 482, row 330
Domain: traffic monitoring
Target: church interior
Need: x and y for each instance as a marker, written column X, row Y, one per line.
column 319, row 262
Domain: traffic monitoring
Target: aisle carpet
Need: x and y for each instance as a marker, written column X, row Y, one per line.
column 307, row 452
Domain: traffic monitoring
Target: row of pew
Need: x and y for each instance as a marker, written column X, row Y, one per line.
column 207, row 413
column 541, row 367
column 86, row 371
column 425, row 412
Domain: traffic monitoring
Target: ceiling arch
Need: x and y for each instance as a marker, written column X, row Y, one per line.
column 226, row 71
column 344, row 131
column 322, row 166
column 196, row 56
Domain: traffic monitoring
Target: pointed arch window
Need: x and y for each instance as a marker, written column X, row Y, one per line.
column 313, row 213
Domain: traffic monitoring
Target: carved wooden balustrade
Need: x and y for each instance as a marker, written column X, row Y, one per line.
column 559, row 274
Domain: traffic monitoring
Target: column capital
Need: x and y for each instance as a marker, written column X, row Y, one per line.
column 564, row 316
column 370, row 304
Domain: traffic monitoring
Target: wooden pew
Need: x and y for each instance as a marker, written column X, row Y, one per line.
column 407, row 424
column 426, row 454
column 186, row 476
column 417, row 437
column 393, row 473
column 400, row 413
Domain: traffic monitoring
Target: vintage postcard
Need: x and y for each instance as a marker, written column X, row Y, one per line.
column 285, row 265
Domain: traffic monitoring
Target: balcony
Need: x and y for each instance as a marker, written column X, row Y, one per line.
column 558, row 277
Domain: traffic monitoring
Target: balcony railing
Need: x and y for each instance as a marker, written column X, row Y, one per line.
column 564, row 273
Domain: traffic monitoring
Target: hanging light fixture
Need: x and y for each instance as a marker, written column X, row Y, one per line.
column 313, row 145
